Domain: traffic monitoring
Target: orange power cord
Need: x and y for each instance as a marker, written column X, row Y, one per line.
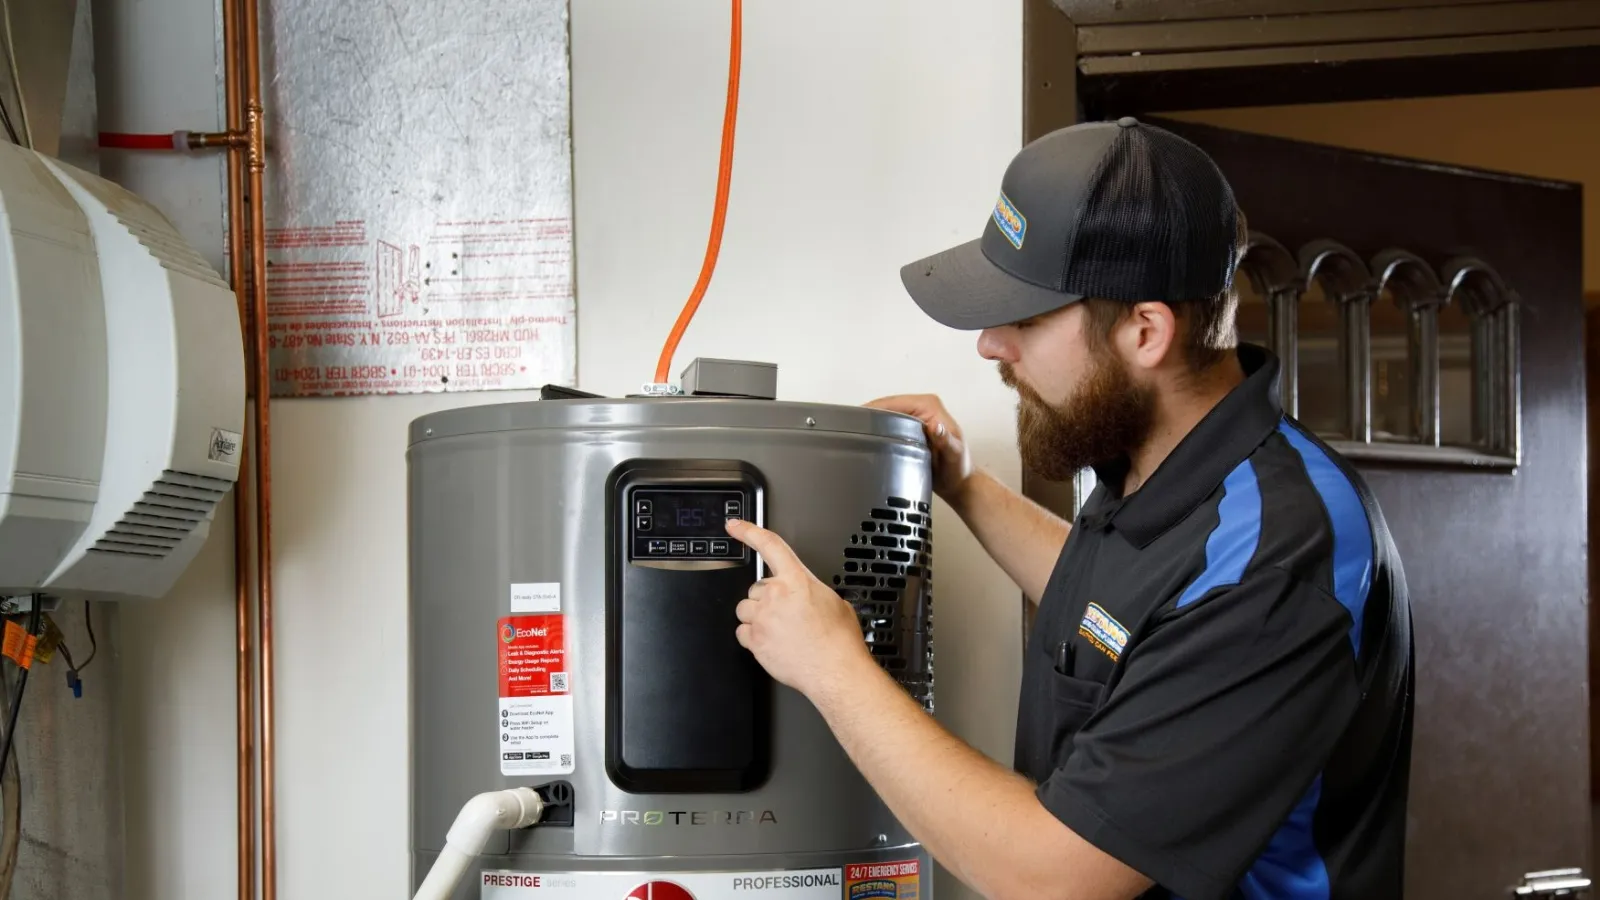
column 720, row 215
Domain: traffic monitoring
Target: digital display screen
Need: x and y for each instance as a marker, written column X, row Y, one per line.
column 691, row 515
column 682, row 524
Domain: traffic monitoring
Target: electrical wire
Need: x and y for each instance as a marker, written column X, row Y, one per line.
column 22, row 685
column 5, row 119
column 16, row 74
column 5, row 115
column 88, row 625
column 11, row 766
column 720, row 211
column 11, row 130
column 11, row 787
column 74, row 683
column 73, row 669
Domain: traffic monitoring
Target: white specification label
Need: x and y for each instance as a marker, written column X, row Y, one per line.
column 536, row 735
column 806, row 884
column 536, row 598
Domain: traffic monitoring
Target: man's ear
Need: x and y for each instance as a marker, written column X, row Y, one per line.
column 1148, row 337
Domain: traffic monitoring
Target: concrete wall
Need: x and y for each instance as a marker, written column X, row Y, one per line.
column 70, row 768
column 869, row 135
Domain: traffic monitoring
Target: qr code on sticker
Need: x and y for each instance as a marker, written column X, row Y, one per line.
column 566, row 759
column 558, row 681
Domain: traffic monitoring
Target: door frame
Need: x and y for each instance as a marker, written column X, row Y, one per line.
column 1089, row 59
column 1591, row 366
column 1092, row 60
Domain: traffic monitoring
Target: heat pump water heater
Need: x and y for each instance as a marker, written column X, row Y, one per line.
column 572, row 631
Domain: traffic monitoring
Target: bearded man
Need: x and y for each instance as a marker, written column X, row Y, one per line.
column 1216, row 696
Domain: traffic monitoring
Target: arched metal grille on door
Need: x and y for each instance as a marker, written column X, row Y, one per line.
column 1389, row 358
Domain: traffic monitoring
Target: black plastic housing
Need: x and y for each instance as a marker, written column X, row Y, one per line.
column 687, row 708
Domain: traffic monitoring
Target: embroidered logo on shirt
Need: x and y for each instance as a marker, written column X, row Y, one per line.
column 1105, row 633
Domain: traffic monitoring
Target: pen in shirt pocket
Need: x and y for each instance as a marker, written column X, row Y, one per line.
column 1064, row 657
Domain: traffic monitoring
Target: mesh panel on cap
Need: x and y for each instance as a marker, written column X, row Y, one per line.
column 1158, row 223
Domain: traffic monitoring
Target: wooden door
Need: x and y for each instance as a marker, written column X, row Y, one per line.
column 1434, row 319
column 1592, row 382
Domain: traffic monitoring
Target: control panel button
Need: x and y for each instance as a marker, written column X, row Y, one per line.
column 642, row 507
column 658, row 548
column 678, row 548
column 643, row 523
column 719, row 548
column 732, row 508
column 699, row 548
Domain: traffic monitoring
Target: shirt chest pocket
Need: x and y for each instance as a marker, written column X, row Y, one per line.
column 1064, row 703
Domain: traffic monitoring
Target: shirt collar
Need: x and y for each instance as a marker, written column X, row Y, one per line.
column 1229, row 433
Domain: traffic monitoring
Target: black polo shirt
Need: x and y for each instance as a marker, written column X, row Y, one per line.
column 1218, row 685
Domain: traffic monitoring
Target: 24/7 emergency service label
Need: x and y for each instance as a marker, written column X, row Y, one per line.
column 808, row 884
column 536, row 723
column 901, row 880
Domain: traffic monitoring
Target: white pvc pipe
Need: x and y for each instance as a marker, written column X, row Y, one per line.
column 481, row 817
column 445, row 874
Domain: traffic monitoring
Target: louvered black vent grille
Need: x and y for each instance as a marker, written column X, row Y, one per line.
column 887, row 576
column 166, row 514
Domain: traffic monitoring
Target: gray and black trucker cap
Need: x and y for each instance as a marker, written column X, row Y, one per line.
column 1115, row 210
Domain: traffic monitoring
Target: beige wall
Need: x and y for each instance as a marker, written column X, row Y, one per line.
column 1550, row 134
column 844, row 171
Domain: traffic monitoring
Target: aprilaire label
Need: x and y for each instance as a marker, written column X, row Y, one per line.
column 808, row 884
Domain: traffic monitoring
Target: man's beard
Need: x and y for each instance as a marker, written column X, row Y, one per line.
column 1110, row 415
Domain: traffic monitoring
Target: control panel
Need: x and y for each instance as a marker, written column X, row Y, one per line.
column 686, row 523
column 687, row 708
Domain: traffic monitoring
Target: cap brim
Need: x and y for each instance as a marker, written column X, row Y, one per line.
column 960, row 288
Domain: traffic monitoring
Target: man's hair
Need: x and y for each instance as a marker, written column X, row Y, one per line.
column 1206, row 326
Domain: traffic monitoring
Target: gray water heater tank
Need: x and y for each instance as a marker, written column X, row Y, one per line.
column 572, row 594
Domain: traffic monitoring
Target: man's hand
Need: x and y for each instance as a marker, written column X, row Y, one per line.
column 1022, row 536
column 977, row 818
column 952, row 461
column 801, row 632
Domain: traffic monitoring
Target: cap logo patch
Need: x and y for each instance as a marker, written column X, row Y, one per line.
column 1012, row 223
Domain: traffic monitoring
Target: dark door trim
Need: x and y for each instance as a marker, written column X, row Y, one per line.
column 1092, row 59
column 1089, row 59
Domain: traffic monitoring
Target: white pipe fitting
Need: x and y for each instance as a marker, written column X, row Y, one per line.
column 481, row 817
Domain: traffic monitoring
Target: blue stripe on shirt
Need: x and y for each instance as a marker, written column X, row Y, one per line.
column 1352, row 532
column 1233, row 541
column 1291, row 868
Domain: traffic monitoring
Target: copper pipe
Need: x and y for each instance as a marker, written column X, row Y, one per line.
column 255, row 127
column 241, row 507
column 232, row 139
column 242, row 675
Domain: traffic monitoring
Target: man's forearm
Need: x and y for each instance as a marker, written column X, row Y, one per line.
column 1022, row 536
column 963, row 807
column 980, row 820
